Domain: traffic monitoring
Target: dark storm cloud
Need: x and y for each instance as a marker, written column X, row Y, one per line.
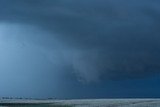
column 98, row 39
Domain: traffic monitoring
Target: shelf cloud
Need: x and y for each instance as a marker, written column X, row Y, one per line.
column 90, row 41
column 108, row 39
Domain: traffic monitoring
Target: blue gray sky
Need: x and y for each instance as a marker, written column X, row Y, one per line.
column 80, row 49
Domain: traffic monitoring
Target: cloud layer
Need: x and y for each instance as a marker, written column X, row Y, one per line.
column 94, row 39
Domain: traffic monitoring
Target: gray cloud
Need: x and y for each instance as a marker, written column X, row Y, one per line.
column 95, row 39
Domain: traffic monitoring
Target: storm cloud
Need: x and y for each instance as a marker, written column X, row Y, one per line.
column 92, row 40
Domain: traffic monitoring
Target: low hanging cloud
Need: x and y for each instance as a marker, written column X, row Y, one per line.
column 96, row 39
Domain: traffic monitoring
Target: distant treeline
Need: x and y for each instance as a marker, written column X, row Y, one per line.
column 27, row 98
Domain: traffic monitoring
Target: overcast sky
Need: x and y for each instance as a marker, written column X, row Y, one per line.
column 79, row 48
